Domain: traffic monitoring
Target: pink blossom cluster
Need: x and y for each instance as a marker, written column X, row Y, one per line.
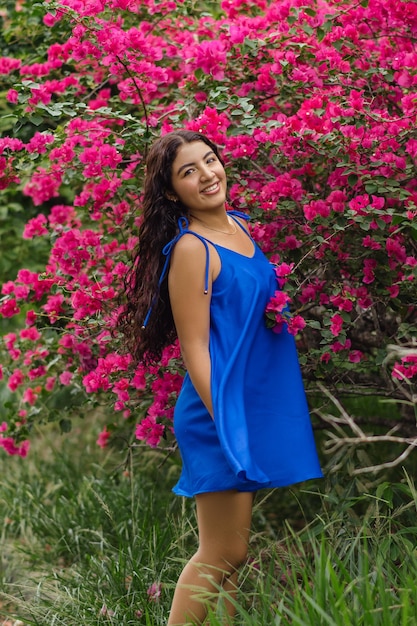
column 406, row 369
column 277, row 311
column 314, row 105
column 9, row 444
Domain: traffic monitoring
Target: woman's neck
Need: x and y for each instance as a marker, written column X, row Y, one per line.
column 220, row 223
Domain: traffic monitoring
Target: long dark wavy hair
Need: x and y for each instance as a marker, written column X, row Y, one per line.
column 159, row 225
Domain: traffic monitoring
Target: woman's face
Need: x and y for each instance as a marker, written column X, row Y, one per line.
column 198, row 178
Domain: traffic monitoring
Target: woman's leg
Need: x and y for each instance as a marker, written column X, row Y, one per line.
column 230, row 586
column 224, row 520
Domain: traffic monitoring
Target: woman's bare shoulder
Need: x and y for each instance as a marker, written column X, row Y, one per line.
column 188, row 246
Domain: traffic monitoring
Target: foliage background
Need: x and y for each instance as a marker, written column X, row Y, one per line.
column 314, row 104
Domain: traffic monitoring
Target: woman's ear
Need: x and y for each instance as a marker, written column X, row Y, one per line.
column 171, row 196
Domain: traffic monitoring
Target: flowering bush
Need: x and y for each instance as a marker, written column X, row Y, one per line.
column 314, row 104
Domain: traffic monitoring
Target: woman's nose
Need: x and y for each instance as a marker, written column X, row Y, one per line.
column 206, row 173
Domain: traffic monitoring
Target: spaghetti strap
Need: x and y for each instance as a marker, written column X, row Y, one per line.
column 183, row 229
column 234, row 215
column 244, row 216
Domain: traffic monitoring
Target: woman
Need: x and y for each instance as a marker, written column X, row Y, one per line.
column 241, row 419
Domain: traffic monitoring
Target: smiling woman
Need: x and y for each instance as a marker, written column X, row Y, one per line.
column 241, row 419
column 199, row 181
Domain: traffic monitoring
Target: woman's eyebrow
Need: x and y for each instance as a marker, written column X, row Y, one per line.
column 189, row 164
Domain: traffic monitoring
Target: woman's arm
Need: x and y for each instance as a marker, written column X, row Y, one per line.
column 191, row 311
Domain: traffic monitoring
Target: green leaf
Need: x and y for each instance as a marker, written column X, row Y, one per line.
column 65, row 425
column 321, row 33
column 36, row 120
column 380, row 357
column 222, row 106
column 307, row 29
column 314, row 324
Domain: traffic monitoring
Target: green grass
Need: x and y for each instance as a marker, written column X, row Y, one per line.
column 83, row 540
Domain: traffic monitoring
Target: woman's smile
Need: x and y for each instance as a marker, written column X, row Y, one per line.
column 214, row 188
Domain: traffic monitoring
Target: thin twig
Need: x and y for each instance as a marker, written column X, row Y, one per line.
column 347, row 418
column 340, row 441
column 377, row 468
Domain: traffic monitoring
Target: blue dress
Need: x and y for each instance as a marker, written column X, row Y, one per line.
column 261, row 435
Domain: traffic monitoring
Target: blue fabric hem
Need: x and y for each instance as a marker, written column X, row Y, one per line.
column 272, row 484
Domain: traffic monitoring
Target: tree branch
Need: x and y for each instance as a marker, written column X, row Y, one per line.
column 339, row 439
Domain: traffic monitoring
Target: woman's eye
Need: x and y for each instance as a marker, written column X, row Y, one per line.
column 188, row 172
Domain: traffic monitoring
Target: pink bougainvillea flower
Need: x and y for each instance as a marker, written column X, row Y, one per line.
column 9, row 64
column 44, row 185
column 103, row 438
column 50, row 19
column 35, row 227
column 296, row 324
column 151, row 432
column 284, row 269
column 355, row 356
column 9, row 308
column 278, row 302
column 30, row 396
column 10, row 446
column 342, row 302
column 336, row 324
column 39, row 143
column 54, row 307
column 50, row 383
column 30, row 334
column 211, row 56
column 65, row 378
column 154, row 592
column 16, row 379
column 12, row 96
column 369, row 266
